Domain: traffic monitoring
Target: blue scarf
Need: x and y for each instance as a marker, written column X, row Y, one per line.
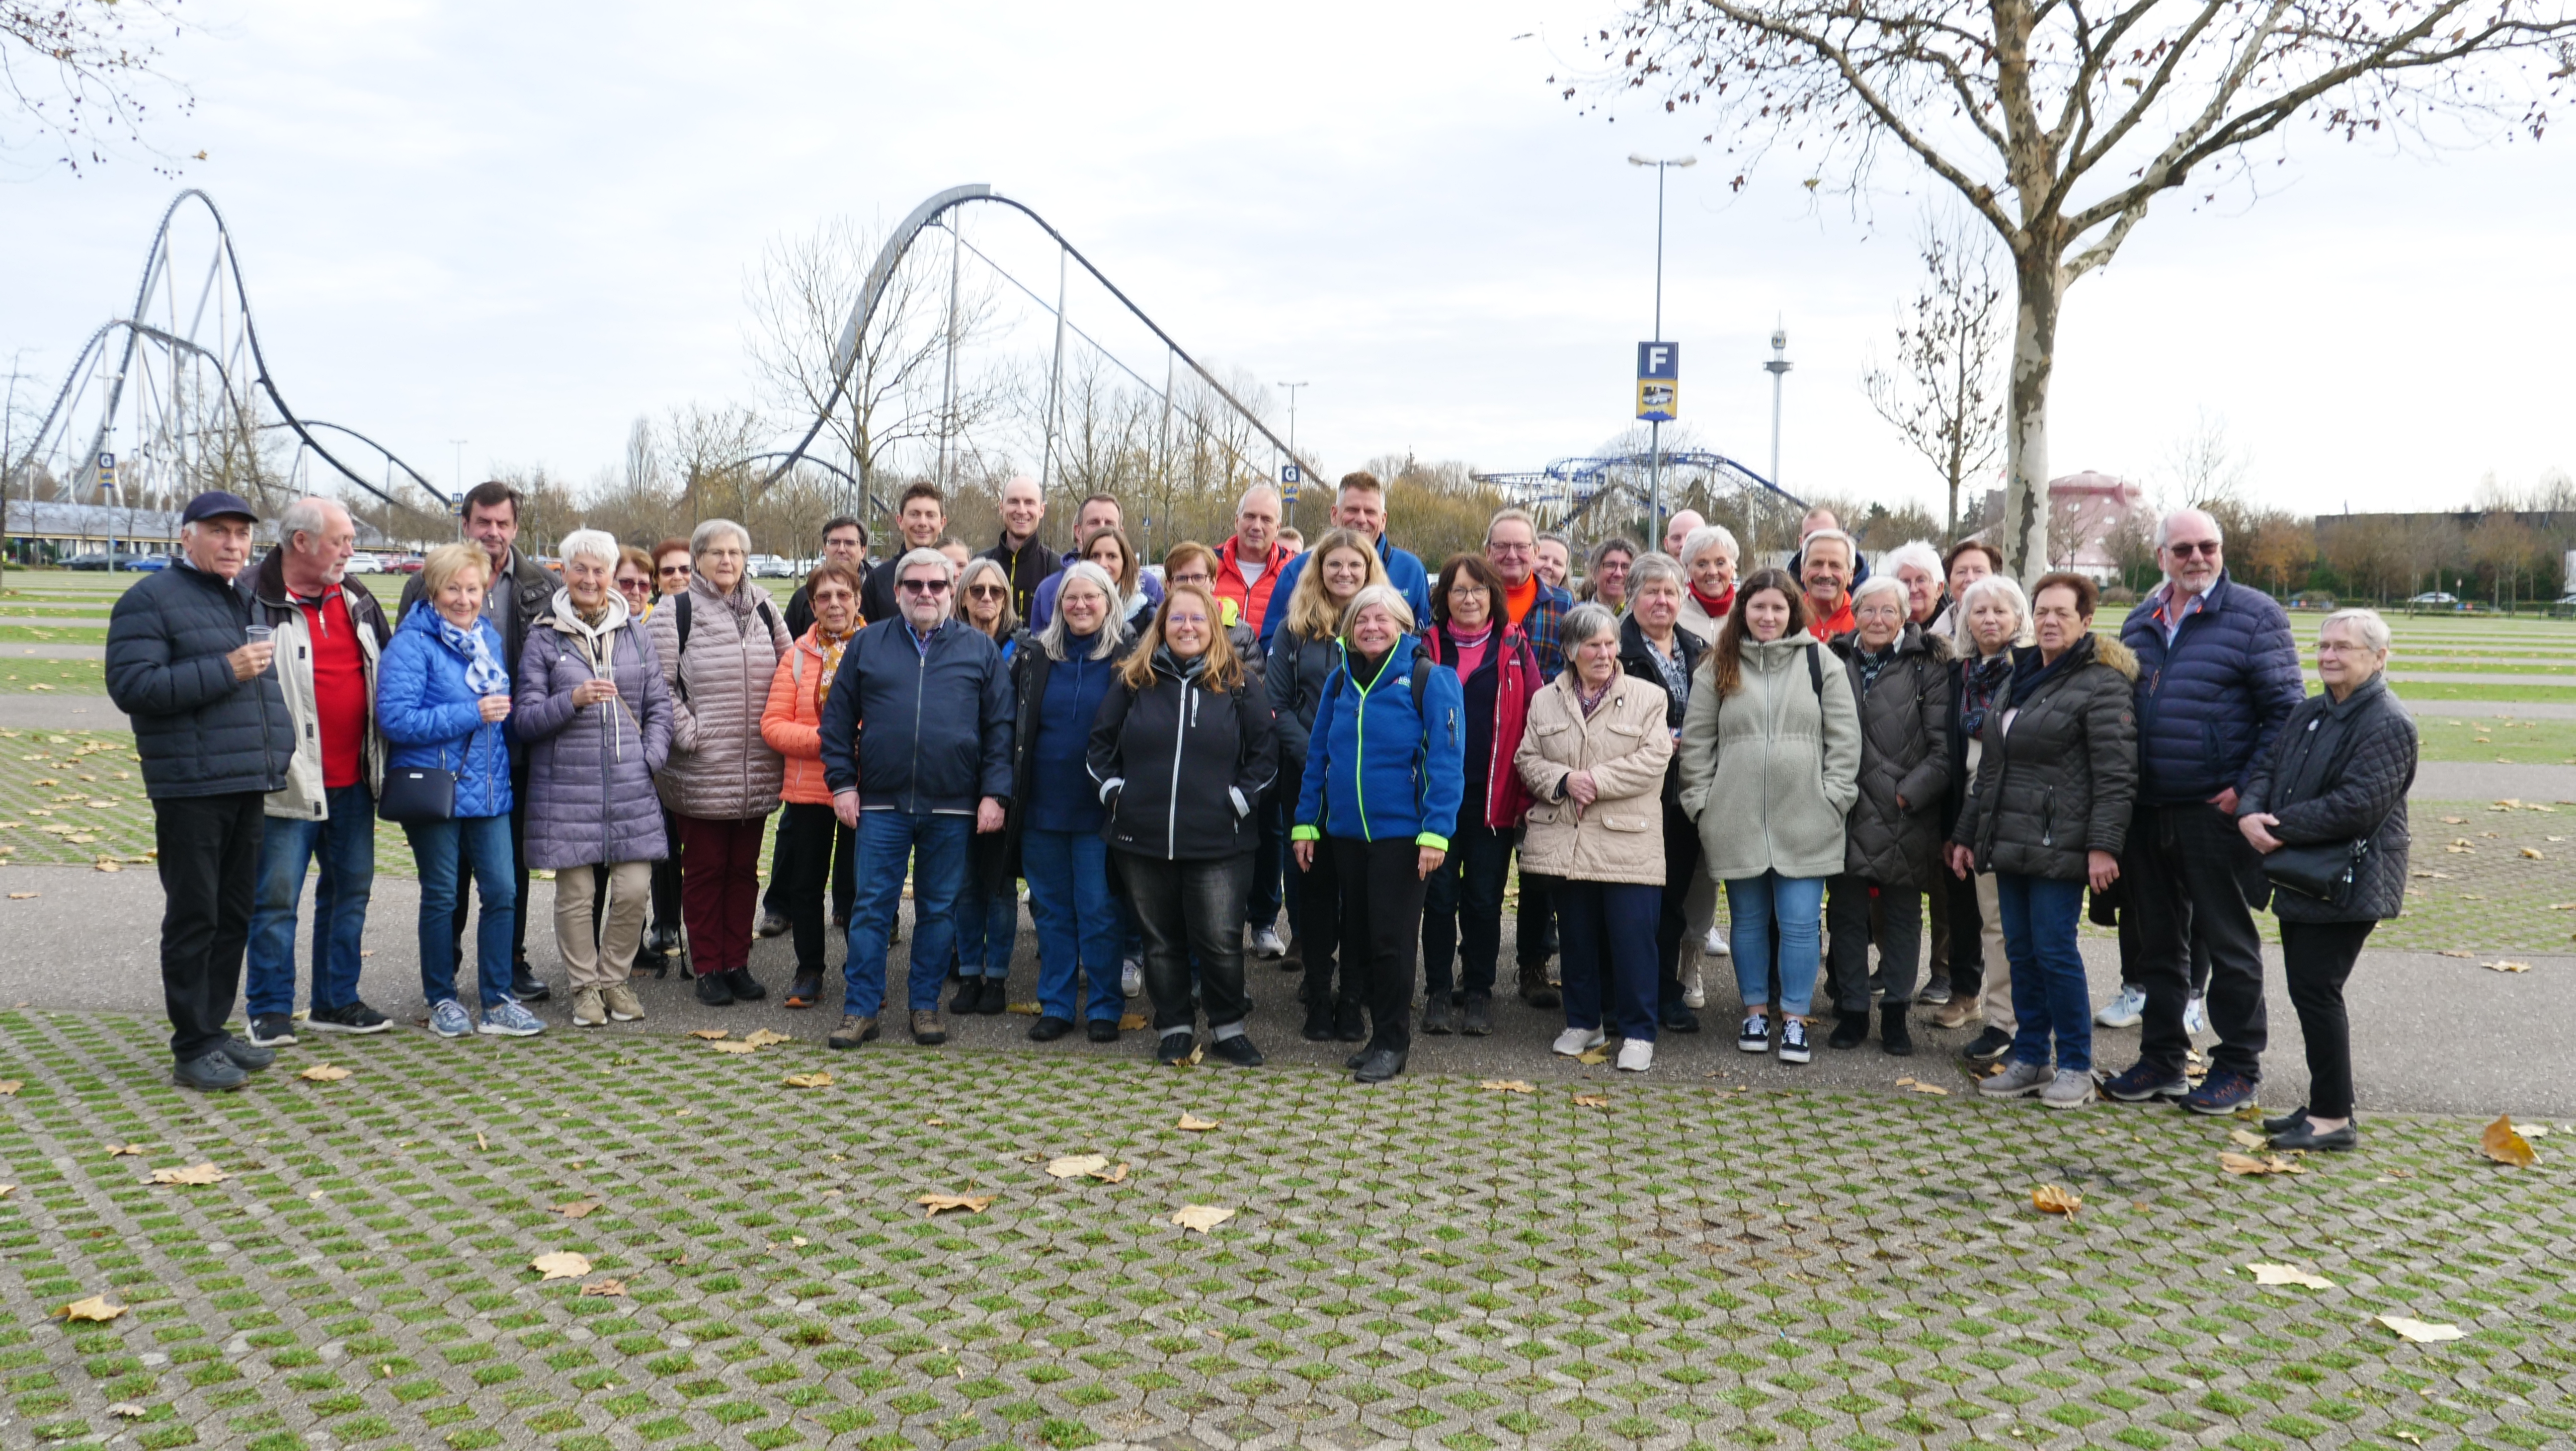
column 483, row 674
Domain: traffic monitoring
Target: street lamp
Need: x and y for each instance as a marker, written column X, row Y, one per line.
column 1655, row 427
column 1292, row 437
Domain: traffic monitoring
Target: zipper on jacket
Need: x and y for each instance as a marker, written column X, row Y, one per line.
column 920, row 686
column 1172, row 805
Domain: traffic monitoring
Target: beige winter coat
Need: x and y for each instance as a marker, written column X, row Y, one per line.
column 1625, row 745
column 1770, row 772
column 720, row 769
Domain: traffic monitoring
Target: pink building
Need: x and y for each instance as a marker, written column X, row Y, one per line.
column 2085, row 512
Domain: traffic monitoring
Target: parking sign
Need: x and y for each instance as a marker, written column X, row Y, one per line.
column 1659, row 381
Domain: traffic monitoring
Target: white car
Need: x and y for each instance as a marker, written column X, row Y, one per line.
column 2433, row 599
column 363, row 563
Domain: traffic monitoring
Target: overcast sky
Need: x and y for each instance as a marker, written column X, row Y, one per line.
column 524, row 225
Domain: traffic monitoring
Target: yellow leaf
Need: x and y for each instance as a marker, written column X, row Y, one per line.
column 325, row 1073
column 1132, row 1021
column 2289, row 1275
column 1507, row 1085
column 480, row 1142
column 762, row 1038
column 1933, row 1088
column 1201, row 1217
column 605, row 1287
column 1115, row 1174
column 810, row 1080
column 93, row 1308
column 1192, row 1123
column 1074, row 1166
column 9, row 1087
column 22, row 896
column 1025, row 1010
column 118, row 1151
column 2246, row 1139
column 2506, row 965
column 1593, row 1055
column 577, row 1209
column 2455, row 952
column 193, row 1174
column 735, row 1047
column 2505, row 1146
column 1590, row 1100
column 2055, row 1199
column 127, row 1409
column 562, row 1264
column 974, row 1203
column 2420, row 1331
column 710, row 1034
column 108, row 864
column 7, row 1189
column 2268, row 1164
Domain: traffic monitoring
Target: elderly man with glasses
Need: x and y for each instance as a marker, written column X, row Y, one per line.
column 917, row 750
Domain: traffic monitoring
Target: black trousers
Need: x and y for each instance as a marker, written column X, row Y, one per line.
column 1681, row 873
column 2186, row 866
column 209, row 860
column 2317, row 957
column 518, row 863
column 1462, row 911
column 1857, row 912
column 845, row 876
column 1966, row 963
column 2133, row 952
column 1381, row 893
column 1317, row 904
column 812, row 844
column 1534, row 925
column 666, row 879
column 1190, row 910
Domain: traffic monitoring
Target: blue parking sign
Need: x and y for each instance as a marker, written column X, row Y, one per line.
column 1659, row 386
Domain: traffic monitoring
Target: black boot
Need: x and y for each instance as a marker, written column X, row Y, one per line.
column 1850, row 1029
column 1319, row 1021
column 1350, row 1021
column 1894, row 1037
column 715, row 991
column 1535, row 990
column 744, row 986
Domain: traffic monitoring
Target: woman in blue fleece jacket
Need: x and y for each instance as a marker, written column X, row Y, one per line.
column 1385, row 768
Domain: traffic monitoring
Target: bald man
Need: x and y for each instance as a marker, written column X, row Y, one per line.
column 1678, row 528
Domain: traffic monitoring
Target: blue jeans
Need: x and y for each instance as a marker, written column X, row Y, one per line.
column 2048, row 988
column 988, row 928
column 1077, row 921
column 1462, row 911
column 1610, row 961
column 446, row 850
column 936, row 848
column 1799, row 904
column 344, row 844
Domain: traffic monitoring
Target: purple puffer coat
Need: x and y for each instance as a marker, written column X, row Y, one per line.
column 591, row 767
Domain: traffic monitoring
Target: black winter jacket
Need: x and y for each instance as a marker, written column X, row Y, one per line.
column 2336, row 773
column 2064, row 779
column 1293, row 677
column 1638, row 659
column 1904, row 751
column 1180, row 766
column 199, row 731
column 918, row 731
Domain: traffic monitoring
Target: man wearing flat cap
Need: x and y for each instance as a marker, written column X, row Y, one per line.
column 211, row 727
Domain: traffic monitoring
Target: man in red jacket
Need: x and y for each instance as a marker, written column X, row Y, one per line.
column 1247, row 568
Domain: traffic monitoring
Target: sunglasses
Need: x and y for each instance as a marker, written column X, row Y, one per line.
column 670, row 569
column 986, row 591
column 924, row 586
column 2196, row 546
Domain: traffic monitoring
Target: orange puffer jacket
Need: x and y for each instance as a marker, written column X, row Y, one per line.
column 791, row 723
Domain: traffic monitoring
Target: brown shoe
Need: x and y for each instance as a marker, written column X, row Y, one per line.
column 928, row 1028
column 852, row 1032
column 1958, row 1012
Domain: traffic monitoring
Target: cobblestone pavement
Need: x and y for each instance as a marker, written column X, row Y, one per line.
column 1436, row 1263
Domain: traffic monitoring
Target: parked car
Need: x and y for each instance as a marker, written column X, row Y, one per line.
column 365, row 563
column 408, row 564
column 772, row 566
column 103, row 560
column 2433, row 599
column 149, row 563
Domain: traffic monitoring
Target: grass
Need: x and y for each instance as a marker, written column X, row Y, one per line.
column 2496, row 738
column 53, row 634
column 21, row 675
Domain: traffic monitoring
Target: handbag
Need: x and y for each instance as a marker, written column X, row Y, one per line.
column 2323, row 872
column 415, row 795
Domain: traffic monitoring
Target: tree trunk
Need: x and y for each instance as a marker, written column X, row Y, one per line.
column 2041, row 290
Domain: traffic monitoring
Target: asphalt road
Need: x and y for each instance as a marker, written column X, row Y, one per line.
column 2431, row 1033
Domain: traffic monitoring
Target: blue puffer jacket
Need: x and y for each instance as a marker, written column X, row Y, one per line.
column 1376, row 768
column 920, row 731
column 430, row 719
column 1402, row 571
column 2210, row 703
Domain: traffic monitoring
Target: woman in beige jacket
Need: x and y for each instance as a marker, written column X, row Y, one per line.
column 1593, row 757
column 1770, row 766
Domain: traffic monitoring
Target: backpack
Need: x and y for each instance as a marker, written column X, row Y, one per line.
column 768, row 621
column 1419, row 681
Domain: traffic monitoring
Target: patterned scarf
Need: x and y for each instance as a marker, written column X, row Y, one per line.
column 483, row 674
column 1590, row 700
column 1981, row 682
column 1872, row 663
column 832, row 646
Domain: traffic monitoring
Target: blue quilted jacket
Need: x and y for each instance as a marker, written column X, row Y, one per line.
column 2210, row 703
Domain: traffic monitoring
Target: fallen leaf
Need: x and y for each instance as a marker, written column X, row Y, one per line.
column 107, row 864
column 1025, row 1010
column 1193, row 1124
column 2055, row 1199
column 735, row 1047
column 118, row 1151
column 762, row 1038
column 22, row 896
column 604, row 1287
column 9, row 1087
column 577, row 1209
column 7, row 1189
column 93, row 1308
column 812, row 1080
column 127, row 1409
column 193, row 1174
column 710, row 1034
column 325, row 1073
column 1074, row 1166
column 480, row 1142
column 562, row 1264
column 2268, row 1164
column 2533, row 853
column 1114, row 1174
column 2420, row 1331
column 2506, row 965
column 1507, row 1085
column 2289, row 1275
column 1201, row 1217
column 1132, row 1021
column 2455, row 952
column 1198, row 1054
column 2505, row 1146
column 1919, row 1086
column 975, row 1203
column 1590, row 1100
column 2455, row 820
column 2247, row 1139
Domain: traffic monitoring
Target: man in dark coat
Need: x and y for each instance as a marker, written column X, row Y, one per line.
column 211, row 727
column 516, row 597
column 1025, row 562
column 2218, row 673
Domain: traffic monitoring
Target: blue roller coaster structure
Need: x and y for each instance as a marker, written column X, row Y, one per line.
column 1565, row 492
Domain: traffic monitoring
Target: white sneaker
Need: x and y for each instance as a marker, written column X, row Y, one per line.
column 2195, row 1015
column 1575, row 1042
column 1131, row 977
column 2125, row 1010
column 1716, row 946
column 1636, row 1056
column 1266, row 943
column 1694, row 991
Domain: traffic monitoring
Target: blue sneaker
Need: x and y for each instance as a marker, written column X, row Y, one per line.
column 2221, row 1093
column 449, row 1020
column 2145, row 1081
column 509, row 1020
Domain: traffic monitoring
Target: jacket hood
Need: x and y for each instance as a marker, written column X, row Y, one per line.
column 1771, row 652
column 2111, row 652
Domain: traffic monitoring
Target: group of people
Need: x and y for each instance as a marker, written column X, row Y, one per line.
column 1171, row 759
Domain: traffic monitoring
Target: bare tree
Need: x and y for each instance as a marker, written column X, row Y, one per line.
column 1946, row 403
column 2060, row 126
column 2208, row 469
column 84, row 75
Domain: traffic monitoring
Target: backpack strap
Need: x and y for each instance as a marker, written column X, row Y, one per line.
column 1816, row 674
column 679, row 658
column 1421, row 681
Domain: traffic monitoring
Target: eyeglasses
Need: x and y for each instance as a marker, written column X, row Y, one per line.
column 1201, row 580
column 2189, row 547
column 924, row 586
column 986, row 591
column 681, row 570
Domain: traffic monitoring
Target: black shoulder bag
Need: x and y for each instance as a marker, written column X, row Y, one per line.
column 417, row 795
column 2321, row 871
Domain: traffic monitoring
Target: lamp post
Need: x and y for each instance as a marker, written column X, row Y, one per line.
column 1778, row 368
column 1292, row 439
column 1655, row 427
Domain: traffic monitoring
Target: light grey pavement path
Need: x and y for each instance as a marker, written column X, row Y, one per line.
column 2491, row 709
column 2486, row 781
column 2431, row 1033
column 50, row 650
column 56, row 712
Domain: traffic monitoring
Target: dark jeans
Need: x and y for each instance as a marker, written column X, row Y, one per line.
column 1076, row 922
column 1858, row 911
column 2050, row 999
column 2317, row 957
column 1317, row 905
column 518, row 881
column 1681, row 873
column 2186, row 865
column 1534, row 925
column 1381, row 891
column 1610, row 954
column 343, row 845
column 1262, row 898
column 1462, row 910
column 936, row 847
column 446, row 852
column 208, row 855
column 666, row 879
column 811, row 844
column 1190, row 911
column 777, row 899
column 988, row 925
column 2133, row 952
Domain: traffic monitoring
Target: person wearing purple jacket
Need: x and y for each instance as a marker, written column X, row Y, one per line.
column 2218, row 673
